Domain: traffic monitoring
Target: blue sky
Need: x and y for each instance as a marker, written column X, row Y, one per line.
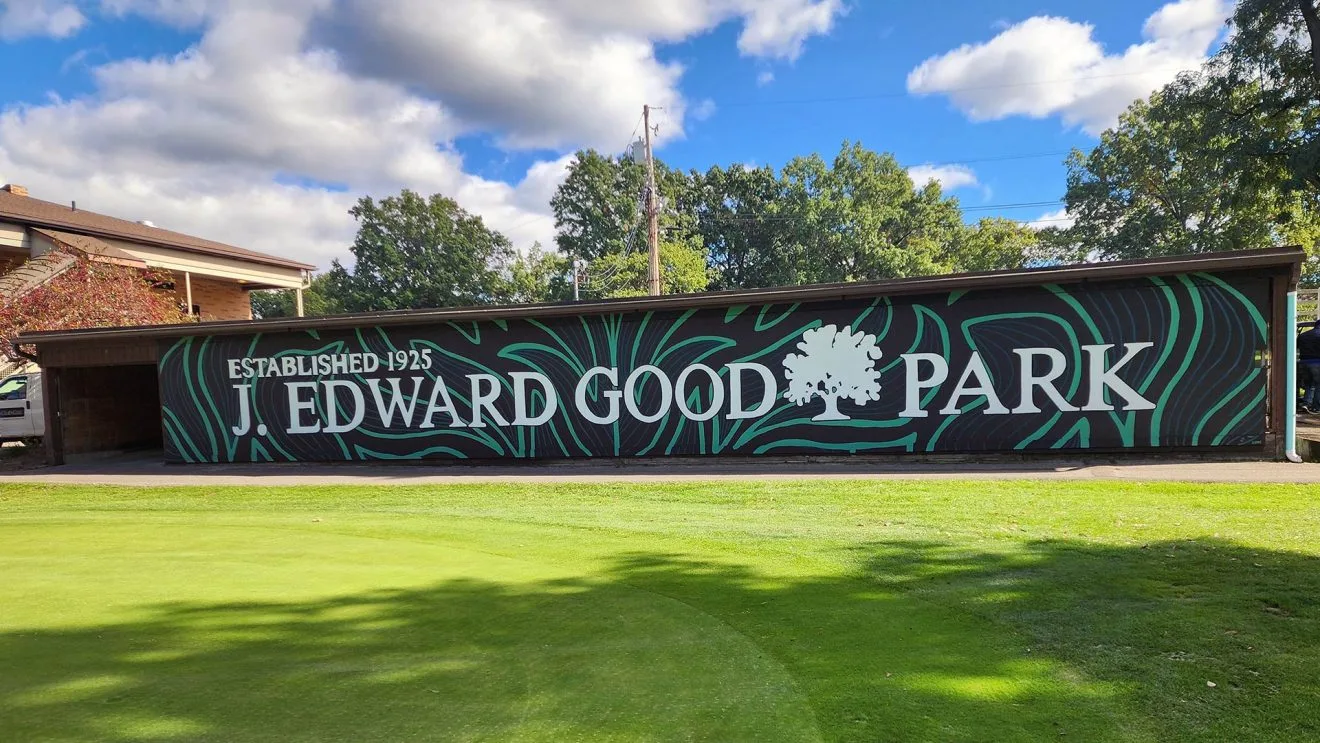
column 260, row 126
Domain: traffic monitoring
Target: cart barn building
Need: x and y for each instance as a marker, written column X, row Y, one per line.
column 1176, row 354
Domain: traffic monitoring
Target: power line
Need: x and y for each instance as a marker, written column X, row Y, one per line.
column 633, row 137
column 996, row 158
column 905, row 93
column 798, row 217
column 532, row 218
column 1021, row 205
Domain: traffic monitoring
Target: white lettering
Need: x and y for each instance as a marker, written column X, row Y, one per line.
column 716, row 393
column 630, row 393
column 975, row 368
column 769, row 392
column 297, row 405
column 1030, row 381
column 244, row 413
column 915, row 383
column 1100, row 378
column 440, row 390
column 485, row 399
column 580, row 395
column 332, row 424
column 521, row 401
column 235, row 365
column 397, row 401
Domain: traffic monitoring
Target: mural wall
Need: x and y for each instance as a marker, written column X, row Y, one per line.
column 1157, row 362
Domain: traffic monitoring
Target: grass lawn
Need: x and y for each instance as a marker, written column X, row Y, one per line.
column 724, row 612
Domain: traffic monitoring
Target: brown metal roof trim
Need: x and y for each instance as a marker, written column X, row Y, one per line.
column 38, row 213
column 1284, row 260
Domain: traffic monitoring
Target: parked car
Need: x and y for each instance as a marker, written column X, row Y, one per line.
column 22, row 415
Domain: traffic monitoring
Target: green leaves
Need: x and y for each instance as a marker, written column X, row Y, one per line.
column 539, row 276
column 856, row 218
column 1222, row 159
column 413, row 252
column 318, row 300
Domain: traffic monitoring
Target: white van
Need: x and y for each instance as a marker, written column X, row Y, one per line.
column 22, row 415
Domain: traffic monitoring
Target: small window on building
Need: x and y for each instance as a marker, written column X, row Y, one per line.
column 14, row 388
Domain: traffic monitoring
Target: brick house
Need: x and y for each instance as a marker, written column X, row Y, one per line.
column 211, row 278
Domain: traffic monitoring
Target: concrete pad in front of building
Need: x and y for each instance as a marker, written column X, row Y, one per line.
column 149, row 471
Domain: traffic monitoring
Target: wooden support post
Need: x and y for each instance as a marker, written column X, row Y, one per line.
column 652, row 213
column 53, row 405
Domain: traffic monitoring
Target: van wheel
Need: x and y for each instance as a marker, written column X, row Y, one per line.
column 32, row 442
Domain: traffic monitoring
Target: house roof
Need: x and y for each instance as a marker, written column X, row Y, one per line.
column 38, row 213
column 92, row 246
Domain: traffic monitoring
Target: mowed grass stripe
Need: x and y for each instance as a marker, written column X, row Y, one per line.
column 720, row 611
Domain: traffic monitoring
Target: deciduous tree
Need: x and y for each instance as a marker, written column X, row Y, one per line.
column 683, row 270
column 539, row 276
column 1223, row 158
column 318, row 301
column 89, row 294
column 855, row 218
column 413, row 252
column 600, row 208
column 993, row 244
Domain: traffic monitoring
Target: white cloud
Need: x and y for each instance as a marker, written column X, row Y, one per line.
column 512, row 67
column 54, row 18
column 1060, row 218
column 229, row 145
column 1047, row 66
column 553, row 73
column 181, row 13
column 765, row 78
column 780, row 28
column 950, row 177
column 704, row 110
column 266, row 131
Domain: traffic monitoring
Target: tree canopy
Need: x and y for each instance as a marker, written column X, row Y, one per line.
column 88, row 294
column 1225, row 157
column 858, row 216
column 318, row 300
column 538, row 276
column 413, row 252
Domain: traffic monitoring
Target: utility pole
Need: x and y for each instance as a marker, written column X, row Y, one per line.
column 576, row 272
column 652, row 212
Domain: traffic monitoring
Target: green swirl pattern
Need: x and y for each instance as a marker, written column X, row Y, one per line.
column 1203, row 375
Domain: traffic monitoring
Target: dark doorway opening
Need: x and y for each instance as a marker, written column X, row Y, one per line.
column 109, row 409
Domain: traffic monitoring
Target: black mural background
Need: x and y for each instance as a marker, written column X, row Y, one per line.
column 1203, row 374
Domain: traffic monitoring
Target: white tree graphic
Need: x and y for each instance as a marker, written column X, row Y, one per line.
column 833, row 364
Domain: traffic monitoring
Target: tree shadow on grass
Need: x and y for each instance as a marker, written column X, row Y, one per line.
column 929, row 641
column 1208, row 640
